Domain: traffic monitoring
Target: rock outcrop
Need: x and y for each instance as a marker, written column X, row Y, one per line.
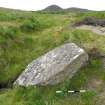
column 91, row 21
column 54, row 67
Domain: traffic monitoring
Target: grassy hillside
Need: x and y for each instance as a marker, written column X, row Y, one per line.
column 25, row 36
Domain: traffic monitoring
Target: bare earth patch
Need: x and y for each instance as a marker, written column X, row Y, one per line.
column 96, row 29
column 100, row 99
column 95, row 84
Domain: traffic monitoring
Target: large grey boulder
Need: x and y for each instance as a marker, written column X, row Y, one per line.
column 54, row 67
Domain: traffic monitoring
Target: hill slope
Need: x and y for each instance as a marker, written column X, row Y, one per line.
column 74, row 9
column 24, row 36
column 53, row 8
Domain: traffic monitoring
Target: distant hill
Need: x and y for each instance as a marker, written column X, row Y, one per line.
column 53, row 8
column 9, row 9
column 75, row 9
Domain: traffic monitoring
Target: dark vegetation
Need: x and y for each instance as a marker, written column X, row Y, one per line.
column 31, row 25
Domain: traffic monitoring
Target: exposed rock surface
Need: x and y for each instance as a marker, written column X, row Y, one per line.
column 91, row 21
column 92, row 24
column 54, row 67
column 96, row 29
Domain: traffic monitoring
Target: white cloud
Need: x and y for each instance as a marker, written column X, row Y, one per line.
column 40, row 4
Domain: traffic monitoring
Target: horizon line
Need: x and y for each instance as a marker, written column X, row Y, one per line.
column 46, row 7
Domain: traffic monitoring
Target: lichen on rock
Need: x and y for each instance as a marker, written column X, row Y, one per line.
column 54, row 67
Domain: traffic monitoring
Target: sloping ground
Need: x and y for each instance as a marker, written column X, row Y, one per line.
column 18, row 48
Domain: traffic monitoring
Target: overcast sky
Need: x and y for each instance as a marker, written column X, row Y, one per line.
column 40, row 4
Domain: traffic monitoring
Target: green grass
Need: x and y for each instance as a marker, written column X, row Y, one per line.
column 19, row 46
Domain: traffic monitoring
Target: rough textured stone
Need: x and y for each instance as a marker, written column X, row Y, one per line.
column 54, row 67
